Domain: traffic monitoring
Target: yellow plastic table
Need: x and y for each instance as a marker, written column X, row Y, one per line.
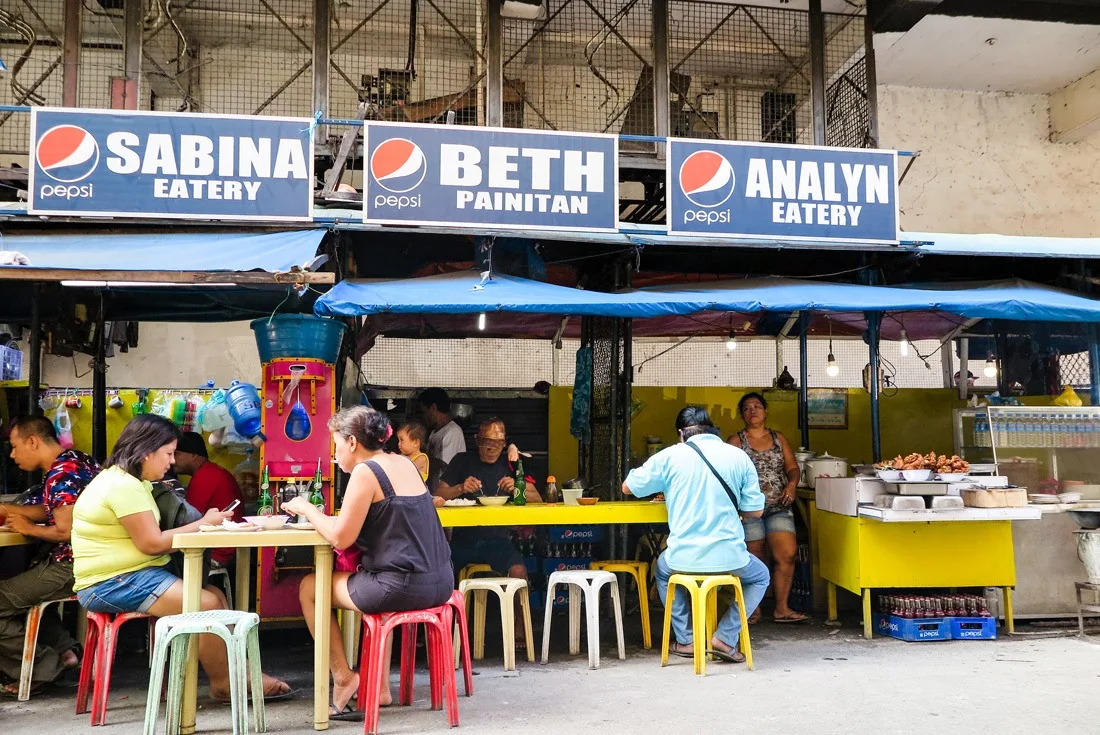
column 554, row 514
column 194, row 544
column 861, row 554
column 11, row 538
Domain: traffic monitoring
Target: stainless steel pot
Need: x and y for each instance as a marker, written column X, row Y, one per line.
column 825, row 466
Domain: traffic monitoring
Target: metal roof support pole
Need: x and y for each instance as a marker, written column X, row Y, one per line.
column 872, row 80
column 99, row 382
column 494, row 67
column 661, row 101
column 132, row 40
column 804, row 377
column 70, row 53
column 1094, row 366
column 817, row 71
column 321, row 54
column 874, row 321
column 34, row 368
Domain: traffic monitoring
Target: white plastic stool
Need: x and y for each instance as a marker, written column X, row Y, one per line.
column 243, row 649
column 30, row 643
column 506, row 588
column 590, row 582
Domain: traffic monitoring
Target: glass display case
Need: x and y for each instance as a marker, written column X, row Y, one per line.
column 1054, row 439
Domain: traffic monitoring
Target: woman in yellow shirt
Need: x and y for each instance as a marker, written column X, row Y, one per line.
column 120, row 554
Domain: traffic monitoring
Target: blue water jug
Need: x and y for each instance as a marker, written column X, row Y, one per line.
column 244, row 407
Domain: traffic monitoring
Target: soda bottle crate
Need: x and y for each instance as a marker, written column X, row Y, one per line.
column 573, row 534
column 973, row 629
column 913, row 630
column 549, row 566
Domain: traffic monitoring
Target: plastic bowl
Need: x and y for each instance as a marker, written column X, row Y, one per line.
column 588, row 501
column 571, row 495
column 268, row 523
column 889, row 475
column 952, row 476
column 495, row 500
column 917, row 475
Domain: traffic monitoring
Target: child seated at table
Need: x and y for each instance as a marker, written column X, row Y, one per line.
column 411, row 438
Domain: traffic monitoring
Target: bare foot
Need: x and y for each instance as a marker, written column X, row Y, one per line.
column 344, row 690
column 272, row 688
column 385, row 699
column 69, row 660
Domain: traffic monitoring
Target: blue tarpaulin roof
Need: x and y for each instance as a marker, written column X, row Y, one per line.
column 464, row 293
column 168, row 251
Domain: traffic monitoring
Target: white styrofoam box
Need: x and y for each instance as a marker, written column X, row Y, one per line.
column 844, row 495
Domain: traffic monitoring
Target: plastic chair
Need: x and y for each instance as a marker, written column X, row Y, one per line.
column 30, row 643
column 456, row 609
column 639, row 570
column 99, row 656
column 226, row 587
column 506, row 588
column 590, row 583
column 243, row 647
column 441, row 674
column 703, row 589
column 468, row 571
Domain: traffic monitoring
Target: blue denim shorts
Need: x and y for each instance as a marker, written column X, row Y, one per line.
column 756, row 529
column 130, row 592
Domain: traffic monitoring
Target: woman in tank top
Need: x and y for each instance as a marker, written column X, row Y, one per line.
column 779, row 474
column 388, row 514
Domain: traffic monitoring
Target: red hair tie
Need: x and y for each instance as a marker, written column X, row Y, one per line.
column 389, row 433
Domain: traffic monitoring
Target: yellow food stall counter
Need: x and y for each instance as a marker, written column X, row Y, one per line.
column 862, row 553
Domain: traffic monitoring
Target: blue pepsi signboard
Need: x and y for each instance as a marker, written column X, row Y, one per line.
column 761, row 190
column 463, row 176
column 168, row 165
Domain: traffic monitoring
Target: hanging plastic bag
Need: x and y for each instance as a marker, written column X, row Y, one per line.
column 214, row 413
column 298, row 425
column 64, row 426
column 1068, row 397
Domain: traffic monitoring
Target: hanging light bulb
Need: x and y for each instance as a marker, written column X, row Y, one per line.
column 481, row 322
column 831, row 368
column 904, row 344
column 731, row 342
column 990, row 370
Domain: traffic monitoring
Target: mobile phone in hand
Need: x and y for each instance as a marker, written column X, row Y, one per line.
column 229, row 508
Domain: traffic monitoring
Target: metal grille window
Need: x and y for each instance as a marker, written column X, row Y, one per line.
column 588, row 66
column 847, row 107
column 738, row 72
column 30, row 44
column 411, row 60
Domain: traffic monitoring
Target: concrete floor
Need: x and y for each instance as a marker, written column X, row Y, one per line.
column 809, row 678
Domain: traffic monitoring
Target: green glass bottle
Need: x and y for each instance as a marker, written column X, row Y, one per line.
column 519, row 494
column 267, row 505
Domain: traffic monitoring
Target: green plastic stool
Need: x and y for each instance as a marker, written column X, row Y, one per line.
column 242, row 645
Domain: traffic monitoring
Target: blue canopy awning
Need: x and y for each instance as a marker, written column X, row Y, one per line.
column 168, row 251
column 944, row 305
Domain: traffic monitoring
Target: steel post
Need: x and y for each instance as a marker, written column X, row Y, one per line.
column 494, row 67
column 70, row 54
column 817, row 70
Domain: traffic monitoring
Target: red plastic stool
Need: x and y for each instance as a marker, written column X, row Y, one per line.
column 455, row 607
column 99, row 655
column 441, row 674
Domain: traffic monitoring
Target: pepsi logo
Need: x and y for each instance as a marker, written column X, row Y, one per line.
column 67, row 153
column 707, row 179
column 398, row 165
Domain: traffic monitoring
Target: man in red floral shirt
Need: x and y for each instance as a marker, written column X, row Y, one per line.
column 67, row 472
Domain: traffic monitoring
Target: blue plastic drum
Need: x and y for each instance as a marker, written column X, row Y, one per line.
column 244, row 407
column 298, row 336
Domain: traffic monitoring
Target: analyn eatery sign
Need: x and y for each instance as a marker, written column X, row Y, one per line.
column 169, row 165
column 721, row 189
column 464, row 176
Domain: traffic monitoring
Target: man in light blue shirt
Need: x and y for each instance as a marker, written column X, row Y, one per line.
column 705, row 532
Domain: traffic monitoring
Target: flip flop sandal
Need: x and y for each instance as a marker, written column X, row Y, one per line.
column 346, row 715
column 681, row 654
column 792, row 618
column 730, row 657
column 288, row 694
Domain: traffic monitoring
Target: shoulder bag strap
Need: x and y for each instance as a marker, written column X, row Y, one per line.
column 725, row 485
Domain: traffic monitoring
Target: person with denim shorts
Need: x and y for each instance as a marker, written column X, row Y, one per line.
column 778, row 470
column 704, row 522
column 120, row 552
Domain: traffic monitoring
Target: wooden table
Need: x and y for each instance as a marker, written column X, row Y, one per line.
column 545, row 514
column 11, row 538
column 194, row 544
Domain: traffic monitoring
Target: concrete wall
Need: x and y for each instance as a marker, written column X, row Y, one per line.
column 987, row 164
column 168, row 356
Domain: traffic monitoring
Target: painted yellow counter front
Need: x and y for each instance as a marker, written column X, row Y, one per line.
column 864, row 554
